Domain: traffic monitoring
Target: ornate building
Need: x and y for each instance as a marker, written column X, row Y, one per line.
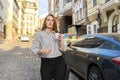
column 104, row 16
column 87, row 16
column 30, row 17
column 62, row 9
column 2, row 19
column 11, row 26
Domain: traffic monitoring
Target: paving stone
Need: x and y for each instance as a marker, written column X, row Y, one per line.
column 17, row 62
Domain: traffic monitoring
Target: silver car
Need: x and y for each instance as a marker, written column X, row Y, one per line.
column 25, row 38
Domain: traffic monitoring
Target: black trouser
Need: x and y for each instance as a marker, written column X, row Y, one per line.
column 53, row 68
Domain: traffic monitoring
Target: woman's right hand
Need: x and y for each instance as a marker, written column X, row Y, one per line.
column 45, row 51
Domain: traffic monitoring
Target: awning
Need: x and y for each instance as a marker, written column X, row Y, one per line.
column 77, row 26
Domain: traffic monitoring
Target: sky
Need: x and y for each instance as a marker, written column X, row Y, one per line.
column 43, row 7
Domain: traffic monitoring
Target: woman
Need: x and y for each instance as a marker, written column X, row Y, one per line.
column 47, row 47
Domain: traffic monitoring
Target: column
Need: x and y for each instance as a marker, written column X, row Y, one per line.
column 118, row 26
column 73, row 22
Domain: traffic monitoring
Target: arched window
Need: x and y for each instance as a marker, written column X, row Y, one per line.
column 115, row 23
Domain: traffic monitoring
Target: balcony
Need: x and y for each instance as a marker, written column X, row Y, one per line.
column 110, row 4
column 67, row 8
column 29, row 11
column 29, row 5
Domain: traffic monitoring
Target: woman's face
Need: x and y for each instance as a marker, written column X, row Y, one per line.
column 49, row 22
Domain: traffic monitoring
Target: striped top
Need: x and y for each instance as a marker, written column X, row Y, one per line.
column 46, row 40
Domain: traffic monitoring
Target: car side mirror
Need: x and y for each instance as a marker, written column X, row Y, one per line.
column 69, row 44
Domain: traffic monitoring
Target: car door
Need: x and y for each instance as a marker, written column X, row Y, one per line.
column 75, row 58
column 79, row 54
column 84, row 53
column 80, row 59
column 70, row 58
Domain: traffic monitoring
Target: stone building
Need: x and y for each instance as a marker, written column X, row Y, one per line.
column 11, row 26
column 104, row 16
column 30, row 17
column 86, row 16
column 2, row 19
column 62, row 9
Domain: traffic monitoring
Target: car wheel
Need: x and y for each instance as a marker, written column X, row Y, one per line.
column 94, row 74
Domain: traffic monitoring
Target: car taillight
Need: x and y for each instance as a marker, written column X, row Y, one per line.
column 116, row 60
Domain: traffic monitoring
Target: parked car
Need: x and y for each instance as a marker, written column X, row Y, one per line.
column 25, row 38
column 95, row 56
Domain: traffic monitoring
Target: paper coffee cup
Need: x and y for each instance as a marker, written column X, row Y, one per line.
column 56, row 35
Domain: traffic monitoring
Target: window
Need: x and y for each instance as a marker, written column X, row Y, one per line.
column 95, row 28
column 89, row 43
column 106, row 1
column 80, row 14
column 88, row 29
column 57, row 3
column 28, row 4
column 110, row 45
column 115, row 23
column 69, row 0
column 94, row 2
column 114, row 28
column 75, row 0
column 76, row 17
column 1, row 6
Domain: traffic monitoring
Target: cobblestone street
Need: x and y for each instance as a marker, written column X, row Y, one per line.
column 17, row 62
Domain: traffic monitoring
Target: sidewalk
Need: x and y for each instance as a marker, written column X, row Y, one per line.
column 6, row 42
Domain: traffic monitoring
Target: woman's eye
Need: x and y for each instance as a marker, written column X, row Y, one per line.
column 48, row 19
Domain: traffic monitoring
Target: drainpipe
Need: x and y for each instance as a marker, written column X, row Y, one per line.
column 86, row 12
column 87, row 21
column 99, row 20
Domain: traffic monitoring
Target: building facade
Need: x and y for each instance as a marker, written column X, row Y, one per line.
column 20, row 17
column 87, row 16
column 8, row 19
column 71, row 14
column 11, row 26
column 62, row 9
column 80, row 19
column 30, row 17
column 2, row 19
column 104, row 16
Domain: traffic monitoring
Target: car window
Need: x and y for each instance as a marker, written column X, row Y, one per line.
column 116, row 37
column 109, row 45
column 89, row 42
